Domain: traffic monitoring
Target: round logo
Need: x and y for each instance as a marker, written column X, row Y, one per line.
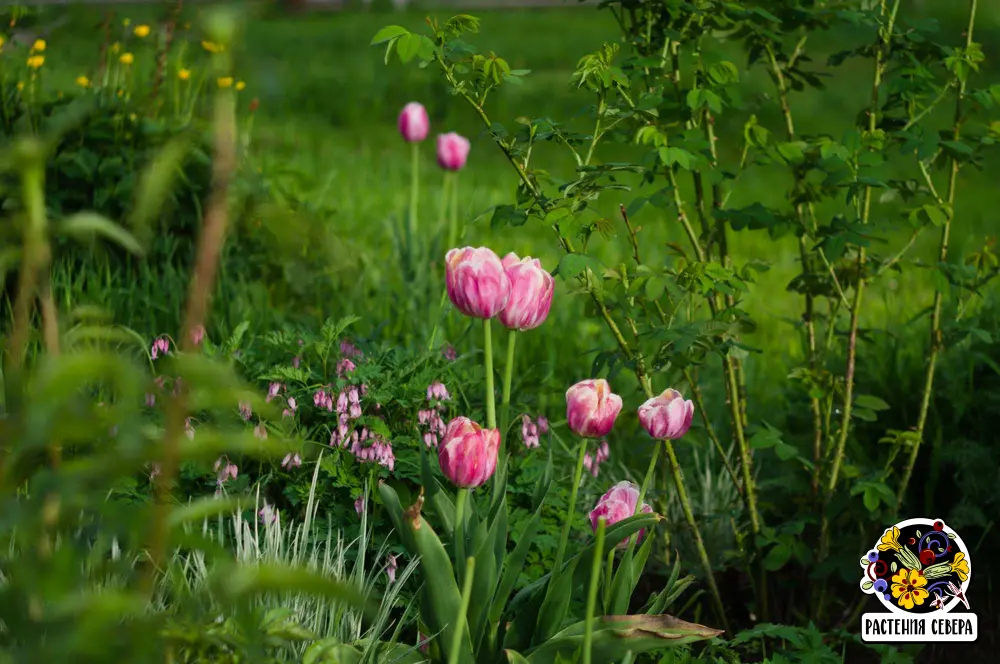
column 918, row 566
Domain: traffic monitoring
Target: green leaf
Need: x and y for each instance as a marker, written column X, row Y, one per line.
column 870, row 402
column 871, row 499
column 627, row 576
column 407, row 47
column 156, row 184
column 237, row 581
column 777, row 557
column 515, row 657
column 572, row 265
column 89, row 224
column 387, row 33
column 614, row 636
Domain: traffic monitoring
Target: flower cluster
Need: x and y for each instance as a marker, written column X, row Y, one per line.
column 593, row 462
column 225, row 471
column 430, row 418
column 517, row 290
column 161, row 346
column 530, row 430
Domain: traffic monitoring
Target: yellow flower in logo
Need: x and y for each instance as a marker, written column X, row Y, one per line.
column 908, row 588
column 890, row 540
column 960, row 566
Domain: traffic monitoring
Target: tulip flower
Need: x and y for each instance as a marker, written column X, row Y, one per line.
column 468, row 453
column 452, row 151
column 618, row 503
column 413, row 122
column 530, row 293
column 477, row 283
column 667, row 416
column 591, row 408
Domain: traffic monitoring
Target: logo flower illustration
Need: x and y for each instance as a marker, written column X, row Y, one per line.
column 908, row 587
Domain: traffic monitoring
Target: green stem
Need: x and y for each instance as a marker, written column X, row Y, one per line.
column 570, row 512
column 508, row 372
column 646, row 481
column 437, row 323
column 925, row 401
column 609, row 572
column 414, row 199
column 595, row 576
column 491, row 406
column 445, row 208
column 453, row 211
column 460, row 499
column 460, row 619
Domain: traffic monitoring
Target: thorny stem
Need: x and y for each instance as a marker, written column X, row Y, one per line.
column 852, row 343
column 210, row 244
column 786, row 111
column 936, row 337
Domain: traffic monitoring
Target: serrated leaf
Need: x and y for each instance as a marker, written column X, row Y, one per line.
column 388, row 33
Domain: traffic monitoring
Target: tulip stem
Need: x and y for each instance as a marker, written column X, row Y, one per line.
column 595, row 575
column 460, row 619
column 452, row 209
column 414, row 200
column 460, row 499
column 508, row 372
column 570, row 512
column 491, row 406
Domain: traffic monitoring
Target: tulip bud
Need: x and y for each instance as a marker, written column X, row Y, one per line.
column 453, row 150
column 530, row 293
column 618, row 504
column 591, row 408
column 477, row 283
column 413, row 122
column 468, row 453
column 667, row 416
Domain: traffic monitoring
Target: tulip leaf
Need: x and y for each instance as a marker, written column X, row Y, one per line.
column 615, row 636
column 391, row 502
column 439, row 499
column 515, row 657
column 484, row 579
column 513, row 566
column 556, row 603
column 627, row 576
column 441, row 600
column 543, row 484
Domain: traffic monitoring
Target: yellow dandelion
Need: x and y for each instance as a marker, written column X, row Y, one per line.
column 116, row 47
column 126, row 58
column 184, row 74
column 38, row 46
column 83, row 81
column 240, row 85
column 20, row 85
column 225, row 82
column 141, row 31
column 36, row 61
column 211, row 47
column 127, row 22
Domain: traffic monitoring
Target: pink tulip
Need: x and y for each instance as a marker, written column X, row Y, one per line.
column 530, row 293
column 667, row 416
column 617, row 504
column 477, row 283
column 591, row 408
column 413, row 122
column 468, row 453
column 453, row 150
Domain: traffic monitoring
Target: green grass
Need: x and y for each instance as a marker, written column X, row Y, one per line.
column 326, row 126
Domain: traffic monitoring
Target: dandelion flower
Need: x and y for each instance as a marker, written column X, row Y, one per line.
column 126, row 58
column 240, row 85
column 20, row 85
column 83, row 81
column 184, row 74
column 116, row 47
column 127, row 22
column 225, row 82
column 38, row 46
column 36, row 61
column 141, row 31
column 211, row 47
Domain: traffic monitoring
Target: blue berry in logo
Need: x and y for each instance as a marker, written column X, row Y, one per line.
column 872, row 556
column 888, row 597
column 881, row 586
